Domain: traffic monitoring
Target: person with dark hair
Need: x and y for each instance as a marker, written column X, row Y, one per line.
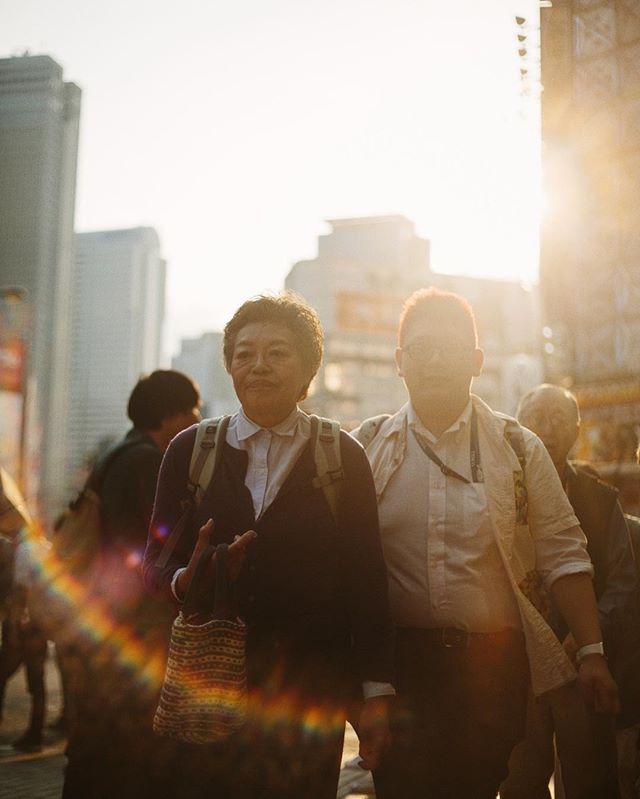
column 162, row 404
column 311, row 588
column 473, row 521
column 585, row 741
column 120, row 632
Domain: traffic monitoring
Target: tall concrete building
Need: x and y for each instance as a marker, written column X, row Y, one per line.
column 590, row 245
column 201, row 359
column 508, row 319
column 117, row 323
column 365, row 270
column 39, row 124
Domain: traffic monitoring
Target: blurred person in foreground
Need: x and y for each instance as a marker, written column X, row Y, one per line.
column 24, row 641
column 585, row 740
column 311, row 587
column 470, row 528
column 628, row 736
column 117, row 631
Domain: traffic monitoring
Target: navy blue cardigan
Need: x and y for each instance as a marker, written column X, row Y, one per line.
column 312, row 591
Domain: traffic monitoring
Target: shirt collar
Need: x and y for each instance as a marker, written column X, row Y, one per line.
column 287, row 427
column 461, row 422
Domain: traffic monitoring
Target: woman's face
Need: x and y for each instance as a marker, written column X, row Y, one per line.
column 268, row 374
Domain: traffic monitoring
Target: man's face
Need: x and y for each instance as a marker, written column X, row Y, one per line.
column 552, row 417
column 437, row 360
column 268, row 372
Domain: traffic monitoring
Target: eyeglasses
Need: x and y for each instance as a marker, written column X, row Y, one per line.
column 422, row 350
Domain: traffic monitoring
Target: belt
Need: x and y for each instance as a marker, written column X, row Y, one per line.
column 451, row 637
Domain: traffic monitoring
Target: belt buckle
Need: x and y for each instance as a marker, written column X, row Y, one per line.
column 451, row 637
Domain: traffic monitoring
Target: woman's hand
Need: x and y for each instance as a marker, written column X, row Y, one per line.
column 237, row 552
column 236, row 555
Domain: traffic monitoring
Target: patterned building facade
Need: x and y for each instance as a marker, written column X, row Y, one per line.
column 590, row 247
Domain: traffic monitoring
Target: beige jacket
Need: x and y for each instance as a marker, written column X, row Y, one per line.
column 550, row 666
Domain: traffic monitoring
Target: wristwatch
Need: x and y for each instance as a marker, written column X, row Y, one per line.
column 589, row 649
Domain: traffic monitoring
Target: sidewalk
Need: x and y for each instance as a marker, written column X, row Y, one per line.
column 30, row 776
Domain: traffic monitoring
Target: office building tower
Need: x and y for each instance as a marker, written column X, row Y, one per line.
column 590, row 244
column 118, row 314
column 39, row 124
column 201, row 359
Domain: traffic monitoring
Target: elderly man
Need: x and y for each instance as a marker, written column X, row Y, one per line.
column 474, row 522
column 585, row 741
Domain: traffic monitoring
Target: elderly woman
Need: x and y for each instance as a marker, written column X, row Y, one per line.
column 311, row 585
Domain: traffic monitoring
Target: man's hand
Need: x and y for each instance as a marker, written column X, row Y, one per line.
column 570, row 647
column 598, row 686
column 373, row 731
column 236, row 555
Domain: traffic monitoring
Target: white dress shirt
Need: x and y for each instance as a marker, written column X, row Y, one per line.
column 272, row 453
column 444, row 566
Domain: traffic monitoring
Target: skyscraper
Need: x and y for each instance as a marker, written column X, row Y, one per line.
column 590, row 245
column 365, row 269
column 39, row 124
column 118, row 314
column 201, row 358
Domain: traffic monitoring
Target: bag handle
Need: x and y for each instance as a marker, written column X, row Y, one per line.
column 199, row 599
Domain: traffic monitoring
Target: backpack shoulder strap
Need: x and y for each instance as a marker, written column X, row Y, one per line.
column 325, row 438
column 205, row 458
column 206, row 454
column 513, row 434
column 368, row 430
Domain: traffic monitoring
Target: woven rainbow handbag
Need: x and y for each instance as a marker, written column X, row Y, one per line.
column 203, row 698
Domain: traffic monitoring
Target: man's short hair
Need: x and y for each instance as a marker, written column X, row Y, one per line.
column 445, row 306
column 568, row 395
column 290, row 311
column 160, row 395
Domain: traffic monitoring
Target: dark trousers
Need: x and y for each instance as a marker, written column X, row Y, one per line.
column 586, row 745
column 111, row 753
column 459, row 711
column 25, row 644
column 274, row 758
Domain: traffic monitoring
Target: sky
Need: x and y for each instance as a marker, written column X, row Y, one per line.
column 236, row 129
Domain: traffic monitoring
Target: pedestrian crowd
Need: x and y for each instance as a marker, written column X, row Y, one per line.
column 225, row 593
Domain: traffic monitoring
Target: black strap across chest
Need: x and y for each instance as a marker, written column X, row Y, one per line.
column 474, row 455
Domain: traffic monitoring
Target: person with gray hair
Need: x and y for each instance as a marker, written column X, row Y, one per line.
column 310, row 581
column 585, row 741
